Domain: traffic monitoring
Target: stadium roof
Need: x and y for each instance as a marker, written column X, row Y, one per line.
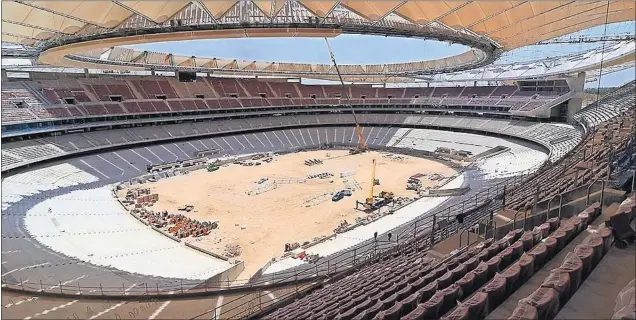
column 63, row 29
column 511, row 24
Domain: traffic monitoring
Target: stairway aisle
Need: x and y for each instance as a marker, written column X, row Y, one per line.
column 508, row 306
column 596, row 297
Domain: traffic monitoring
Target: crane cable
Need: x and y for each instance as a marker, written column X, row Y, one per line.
column 344, row 88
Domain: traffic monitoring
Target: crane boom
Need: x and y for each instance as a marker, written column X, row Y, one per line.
column 369, row 199
column 362, row 144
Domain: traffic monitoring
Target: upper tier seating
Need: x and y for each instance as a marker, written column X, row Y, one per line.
column 227, row 87
column 284, row 89
column 153, row 88
column 17, row 115
column 55, row 91
column 57, row 112
column 451, row 92
column 14, row 93
column 417, row 92
column 192, row 89
column 477, row 91
column 504, row 90
column 86, row 90
column 104, row 89
column 363, row 92
column 256, row 88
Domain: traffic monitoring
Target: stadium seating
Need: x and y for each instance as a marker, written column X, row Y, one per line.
column 284, row 89
column 192, row 89
column 14, row 93
column 154, row 88
column 103, row 89
column 94, row 97
column 471, row 282
column 609, row 106
column 586, row 162
column 56, row 91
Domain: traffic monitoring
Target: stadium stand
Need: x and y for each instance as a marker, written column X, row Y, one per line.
column 14, row 94
column 93, row 97
column 538, row 132
column 468, row 284
column 609, row 106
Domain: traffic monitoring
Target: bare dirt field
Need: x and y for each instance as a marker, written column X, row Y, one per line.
column 283, row 215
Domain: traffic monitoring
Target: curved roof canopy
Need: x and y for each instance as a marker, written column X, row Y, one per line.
column 504, row 25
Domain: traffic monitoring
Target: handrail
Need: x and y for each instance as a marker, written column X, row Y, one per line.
column 467, row 238
column 589, row 188
column 560, row 196
column 525, row 217
column 488, row 222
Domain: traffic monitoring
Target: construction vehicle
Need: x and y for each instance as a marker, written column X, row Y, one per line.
column 362, row 143
column 187, row 208
column 371, row 202
column 387, row 195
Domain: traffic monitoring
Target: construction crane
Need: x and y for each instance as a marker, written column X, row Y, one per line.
column 371, row 202
column 362, row 144
column 369, row 199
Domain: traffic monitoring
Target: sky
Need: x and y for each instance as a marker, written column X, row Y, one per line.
column 360, row 49
column 348, row 49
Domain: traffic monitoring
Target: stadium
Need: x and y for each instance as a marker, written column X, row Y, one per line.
column 488, row 182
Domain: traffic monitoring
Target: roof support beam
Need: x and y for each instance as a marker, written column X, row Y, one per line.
column 390, row 11
column 206, row 10
column 272, row 7
column 336, row 4
column 19, row 36
column 134, row 11
column 59, row 14
column 32, row 26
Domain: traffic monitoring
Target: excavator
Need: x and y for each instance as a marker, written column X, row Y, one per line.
column 362, row 143
column 371, row 202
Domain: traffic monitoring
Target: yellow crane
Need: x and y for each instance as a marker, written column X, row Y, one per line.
column 369, row 200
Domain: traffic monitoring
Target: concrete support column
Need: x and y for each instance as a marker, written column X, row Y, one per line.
column 85, row 72
column 577, row 86
column 4, row 75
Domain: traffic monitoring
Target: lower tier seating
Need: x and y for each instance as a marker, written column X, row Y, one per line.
column 471, row 283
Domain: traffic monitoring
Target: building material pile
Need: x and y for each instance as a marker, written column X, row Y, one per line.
column 185, row 227
column 232, row 250
column 321, row 175
column 141, row 196
column 178, row 225
column 313, row 162
column 342, row 227
column 291, row 246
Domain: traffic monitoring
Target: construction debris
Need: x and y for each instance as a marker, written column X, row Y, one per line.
column 322, row 175
column 232, row 250
column 178, row 225
column 291, row 246
column 342, row 227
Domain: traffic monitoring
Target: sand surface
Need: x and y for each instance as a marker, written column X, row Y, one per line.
column 282, row 215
